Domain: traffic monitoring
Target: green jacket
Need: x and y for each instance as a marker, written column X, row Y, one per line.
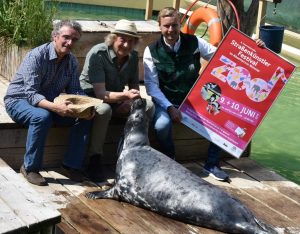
column 177, row 71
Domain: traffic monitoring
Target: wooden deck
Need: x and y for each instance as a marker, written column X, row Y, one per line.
column 271, row 197
column 22, row 209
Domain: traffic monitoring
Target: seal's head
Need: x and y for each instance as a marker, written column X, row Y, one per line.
column 136, row 127
column 138, row 104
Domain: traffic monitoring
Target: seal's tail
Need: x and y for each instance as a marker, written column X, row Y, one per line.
column 264, row 228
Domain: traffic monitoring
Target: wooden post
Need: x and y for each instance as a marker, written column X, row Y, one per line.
column 149, row 9
column 176, row 4
column 262, row 10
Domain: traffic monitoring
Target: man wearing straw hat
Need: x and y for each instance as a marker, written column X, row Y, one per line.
column 109, row 66
column 45, row 73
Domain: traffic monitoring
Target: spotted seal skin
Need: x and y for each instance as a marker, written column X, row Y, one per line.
column 151, row 180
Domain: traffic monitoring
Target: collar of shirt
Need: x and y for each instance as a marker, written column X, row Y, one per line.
column 111, row 53
column 113, row 56
column 175, row 48
column 52, row 52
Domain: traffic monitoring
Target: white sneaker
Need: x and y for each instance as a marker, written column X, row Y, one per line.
column 217, row 173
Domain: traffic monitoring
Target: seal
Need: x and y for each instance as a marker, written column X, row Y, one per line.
column 151, row 180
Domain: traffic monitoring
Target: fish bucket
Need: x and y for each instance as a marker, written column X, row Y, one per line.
column 272, row 36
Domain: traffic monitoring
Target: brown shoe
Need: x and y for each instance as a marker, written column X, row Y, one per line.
column 73, row 174
column 33, row 177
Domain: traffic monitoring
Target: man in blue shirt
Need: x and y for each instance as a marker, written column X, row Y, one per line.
column 46, row 72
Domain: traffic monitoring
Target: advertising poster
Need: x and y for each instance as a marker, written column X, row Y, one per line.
column 235, row 91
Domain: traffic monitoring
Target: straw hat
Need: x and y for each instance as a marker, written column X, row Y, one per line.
column 126, row 27
column 83, row 106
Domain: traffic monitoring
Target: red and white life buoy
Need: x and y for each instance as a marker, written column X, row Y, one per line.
column 210, row 17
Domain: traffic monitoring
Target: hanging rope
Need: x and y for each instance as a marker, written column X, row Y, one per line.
column 187, row 11
column 236, row 14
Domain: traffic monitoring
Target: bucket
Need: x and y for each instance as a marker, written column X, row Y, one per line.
column 272, row 36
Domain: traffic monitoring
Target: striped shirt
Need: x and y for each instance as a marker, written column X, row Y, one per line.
column 41, row 77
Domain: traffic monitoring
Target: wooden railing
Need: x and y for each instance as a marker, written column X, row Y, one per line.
column 149, row 8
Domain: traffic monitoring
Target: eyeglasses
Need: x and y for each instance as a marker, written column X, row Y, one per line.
column 70, row 38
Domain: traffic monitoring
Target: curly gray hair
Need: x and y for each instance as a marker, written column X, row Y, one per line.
column 70, row 23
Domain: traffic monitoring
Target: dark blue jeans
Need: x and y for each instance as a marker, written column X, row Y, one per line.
column 213, row 156
column 162, row 124
column 39, row 121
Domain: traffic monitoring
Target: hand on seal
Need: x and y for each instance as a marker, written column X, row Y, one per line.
column 124, row 107
column 132, row 94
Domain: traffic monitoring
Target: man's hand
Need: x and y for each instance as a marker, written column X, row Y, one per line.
column 124, row 107
column 260, row 43
column 63, row 109
column 175, row 114
column 132, row 94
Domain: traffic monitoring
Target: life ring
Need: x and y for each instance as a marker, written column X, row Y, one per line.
column 210, row 17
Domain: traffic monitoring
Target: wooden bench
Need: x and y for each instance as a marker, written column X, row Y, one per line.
column 189, row 145
column 22, row 209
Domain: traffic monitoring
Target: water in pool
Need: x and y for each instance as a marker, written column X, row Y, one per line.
column 276, row 144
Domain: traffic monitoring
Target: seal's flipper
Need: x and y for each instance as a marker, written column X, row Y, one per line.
column 264, row 228
column 100, row 194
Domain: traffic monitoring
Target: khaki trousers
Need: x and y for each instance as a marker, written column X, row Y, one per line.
column 104, row 113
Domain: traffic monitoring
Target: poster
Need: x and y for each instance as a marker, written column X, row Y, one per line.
column 235, row 92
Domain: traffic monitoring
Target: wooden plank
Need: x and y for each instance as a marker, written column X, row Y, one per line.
column 268, row 177
column 65, row 228
column 274, row 208
column 262, row 10
column 278, row 202
column 15, row 138
column 85, row 220
column 9, row 222
column 107, row 205
column 26, row 202
column 263, row 211
column 3, row 88
column 14, row 156
column 122, row 216
column 149, row 9
column 255, row 195
column 76, row 213
column 131, row 219
column 176, row 4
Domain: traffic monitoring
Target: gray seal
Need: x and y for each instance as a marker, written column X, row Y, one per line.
column 151, row 180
